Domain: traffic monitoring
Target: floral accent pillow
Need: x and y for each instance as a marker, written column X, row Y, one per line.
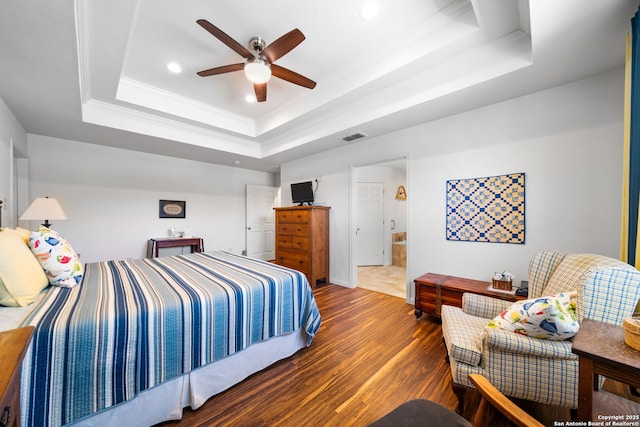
column 549, row 317
column 56, row 256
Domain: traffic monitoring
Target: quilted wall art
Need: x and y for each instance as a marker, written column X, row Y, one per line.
column 489, row 209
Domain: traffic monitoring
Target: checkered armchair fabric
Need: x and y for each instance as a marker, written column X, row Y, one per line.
column 530, row 368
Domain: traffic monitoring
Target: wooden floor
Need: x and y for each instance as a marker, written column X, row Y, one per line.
column 370, row 355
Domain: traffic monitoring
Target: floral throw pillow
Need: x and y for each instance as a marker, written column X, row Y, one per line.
column 58, row 260
column 549, row 317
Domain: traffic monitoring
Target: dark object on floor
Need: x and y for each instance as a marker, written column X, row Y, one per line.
column 423, row 413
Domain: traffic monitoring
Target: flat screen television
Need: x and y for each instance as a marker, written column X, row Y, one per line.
column 302, row 192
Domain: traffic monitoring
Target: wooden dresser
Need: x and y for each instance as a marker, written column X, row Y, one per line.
column 302, row 241
column 13, row 345
column 434, row 290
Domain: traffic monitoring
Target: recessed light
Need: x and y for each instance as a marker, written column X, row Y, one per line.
column 250, row 98
column 174, row 67
column 236, row 162
column 369, row 10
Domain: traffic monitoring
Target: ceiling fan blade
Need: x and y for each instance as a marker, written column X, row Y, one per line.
column 283, row 45
column 261, row 91
column 225, row 38
column 291, row 76
column 221, row 70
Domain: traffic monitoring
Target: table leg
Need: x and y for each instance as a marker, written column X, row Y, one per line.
column 586, row 384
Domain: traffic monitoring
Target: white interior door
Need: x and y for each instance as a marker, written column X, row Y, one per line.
column 370, row 223
column 260, row 220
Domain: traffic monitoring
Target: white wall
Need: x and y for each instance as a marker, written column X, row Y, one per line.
column 111, row 196
column 568, row 142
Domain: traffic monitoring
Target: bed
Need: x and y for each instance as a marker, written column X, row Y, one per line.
column 138, row 340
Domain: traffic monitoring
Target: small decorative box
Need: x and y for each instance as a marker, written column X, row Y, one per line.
column 503, row 285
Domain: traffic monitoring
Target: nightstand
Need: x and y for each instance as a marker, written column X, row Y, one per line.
column 13, row 345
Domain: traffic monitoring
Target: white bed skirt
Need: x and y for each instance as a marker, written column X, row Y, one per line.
column 166, row 401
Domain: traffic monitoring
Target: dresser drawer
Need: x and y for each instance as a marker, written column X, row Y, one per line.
column 284, row 241
column 285, row 228
column 294, row 260
column 293, row 216
column 300, row 216
column 297, row 229
column 299, row 243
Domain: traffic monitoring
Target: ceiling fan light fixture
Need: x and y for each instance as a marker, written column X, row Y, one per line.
column 369, row 10
column 174, row 67
column 257, row 70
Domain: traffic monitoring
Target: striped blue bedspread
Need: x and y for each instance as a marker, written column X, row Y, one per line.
column 134, row 324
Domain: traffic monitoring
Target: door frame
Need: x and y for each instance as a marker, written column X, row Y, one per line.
column 353, row 203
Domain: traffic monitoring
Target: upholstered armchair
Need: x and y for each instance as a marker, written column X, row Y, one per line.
column 531, row 368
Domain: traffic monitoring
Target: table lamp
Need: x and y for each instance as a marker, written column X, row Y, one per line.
column 44, row 208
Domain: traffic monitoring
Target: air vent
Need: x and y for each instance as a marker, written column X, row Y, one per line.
column 354, row 136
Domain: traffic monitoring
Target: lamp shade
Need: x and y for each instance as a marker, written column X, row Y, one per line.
column 44, row 208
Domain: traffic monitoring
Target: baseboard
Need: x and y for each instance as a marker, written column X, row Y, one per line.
column 342, row 283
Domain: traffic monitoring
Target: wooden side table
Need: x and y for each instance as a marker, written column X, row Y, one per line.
column 195, row 243
column 13, row 345
column 433, row 290
column 602, row 351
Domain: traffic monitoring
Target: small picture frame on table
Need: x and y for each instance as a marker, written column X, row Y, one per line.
column 172, row 208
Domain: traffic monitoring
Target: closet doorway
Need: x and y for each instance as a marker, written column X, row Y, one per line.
column 379, row 223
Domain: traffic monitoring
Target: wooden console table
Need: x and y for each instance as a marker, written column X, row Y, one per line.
column 602, row 351
column 433, row 290
column 196, row 244
column 13, row 345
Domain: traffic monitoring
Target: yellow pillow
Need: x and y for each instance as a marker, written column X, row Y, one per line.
column 21, row 276
column 23, row 233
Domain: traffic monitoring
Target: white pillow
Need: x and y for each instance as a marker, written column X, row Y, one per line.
column 551, row 317
column 58, row 259
column 21, row 276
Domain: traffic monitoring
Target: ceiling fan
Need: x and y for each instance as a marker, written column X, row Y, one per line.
column 259, row 60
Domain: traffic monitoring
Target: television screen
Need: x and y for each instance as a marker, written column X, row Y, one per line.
column 302, row 192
